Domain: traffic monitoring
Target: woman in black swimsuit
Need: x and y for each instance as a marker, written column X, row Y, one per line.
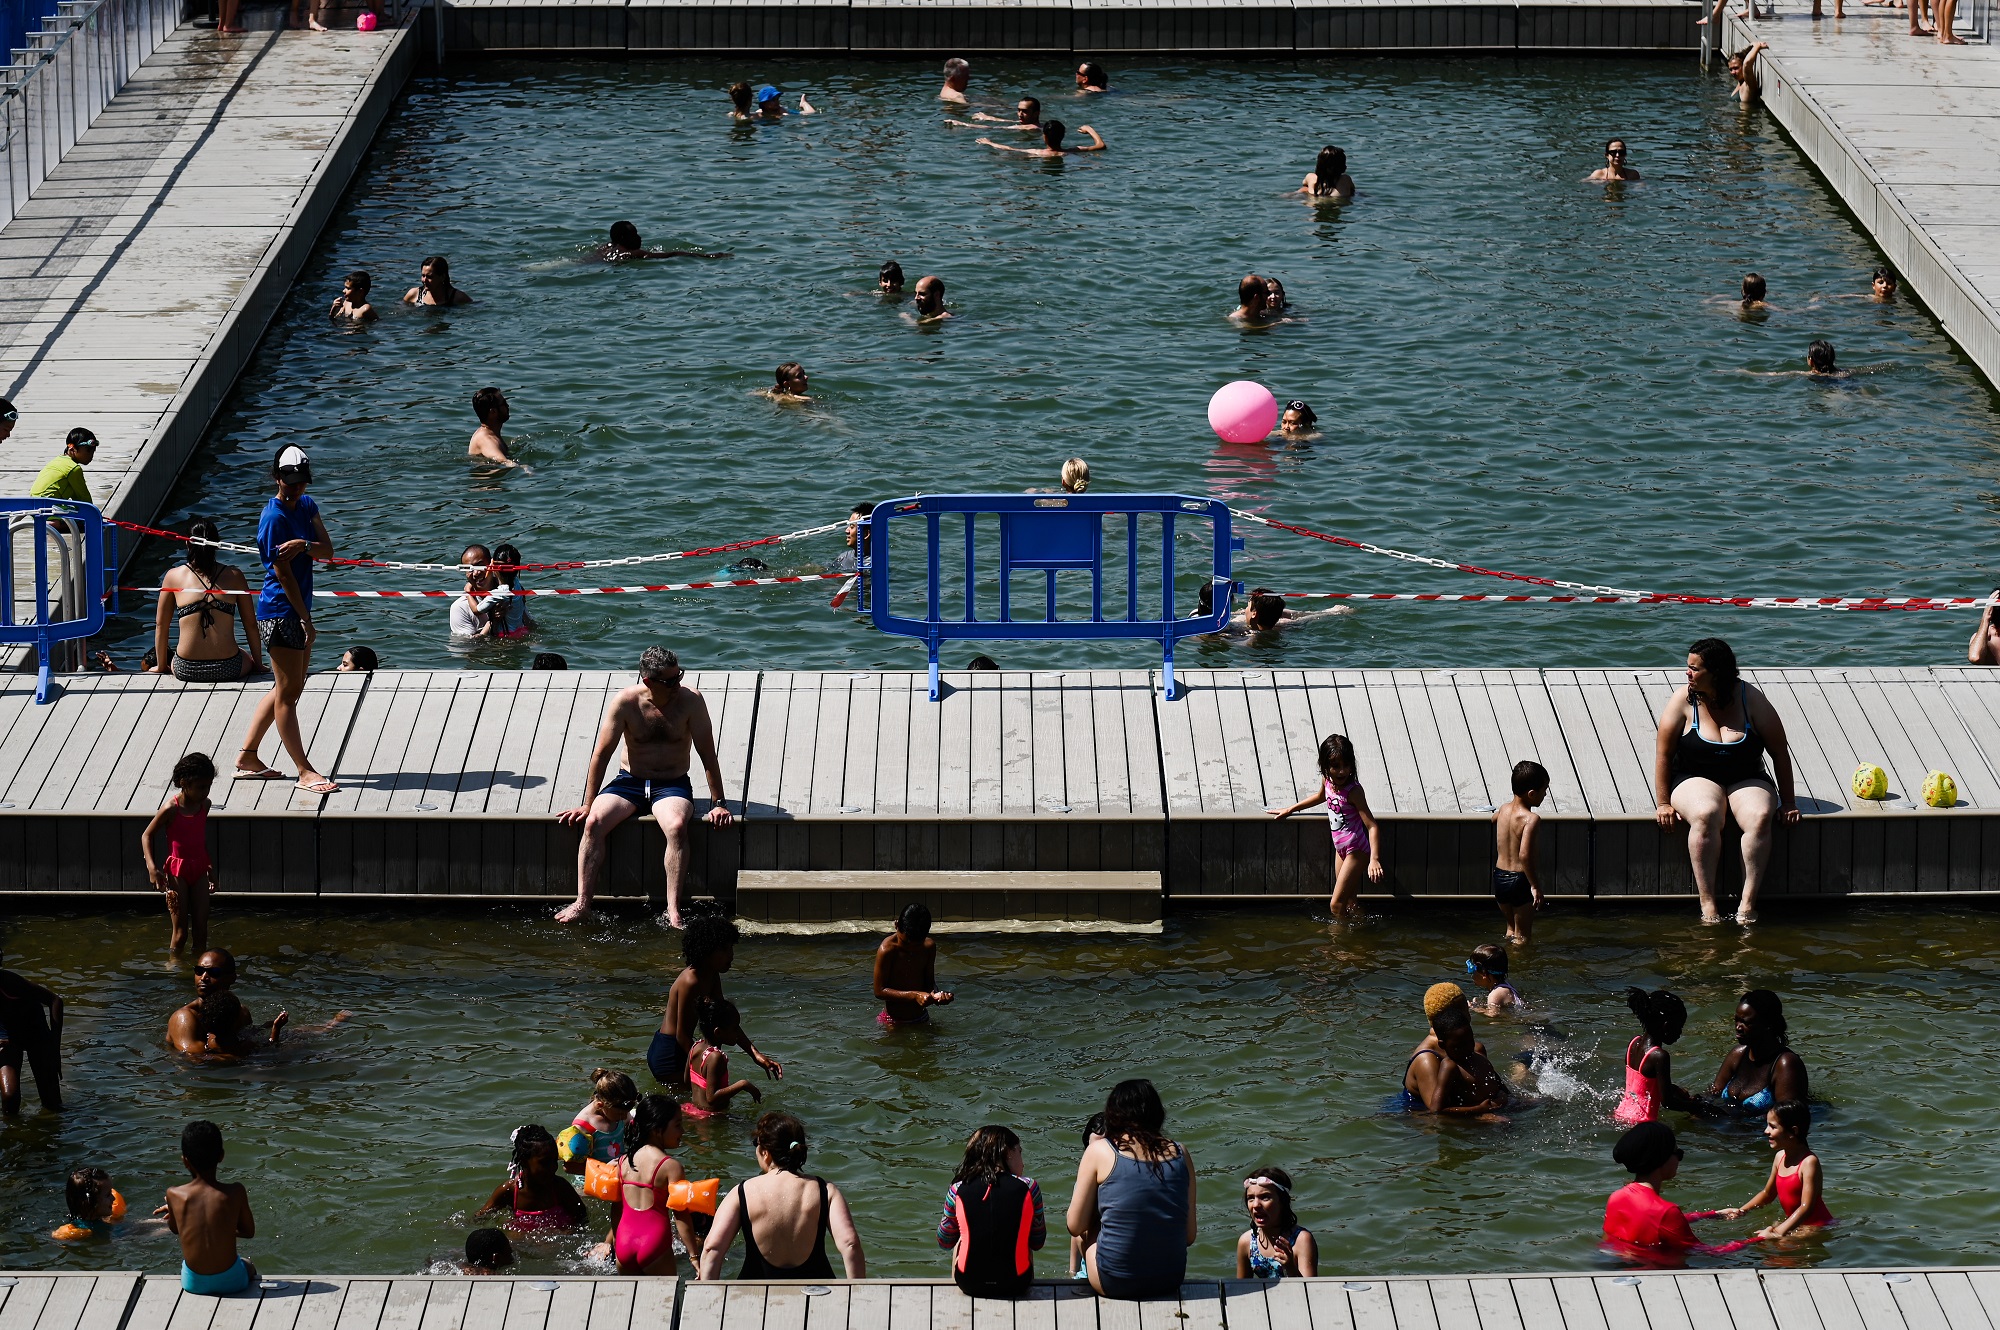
column 784, row 1215
column 1709, row 765
column 204, row 598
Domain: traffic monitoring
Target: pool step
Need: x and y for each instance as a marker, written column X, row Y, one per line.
column 773, row 900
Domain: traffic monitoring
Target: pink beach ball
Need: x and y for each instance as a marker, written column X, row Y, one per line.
column 367, row 21
column 1242, row 412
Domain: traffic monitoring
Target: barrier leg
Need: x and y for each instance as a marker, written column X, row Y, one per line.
column 934, row 671
column 1174, row 691
column 44, row 680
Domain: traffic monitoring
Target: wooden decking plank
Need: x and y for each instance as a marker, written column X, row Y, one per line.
column 572, row 772
column 1244, row 1299
column 1037, row 1311
column 652, row 1304
column 1790, row 1303
column 1986, row 1287
column 1942, row 741
column 1048, row 781
column 173, row 718
column 513, row 761
column 28, row 731
column 1834, row 1302
column 1286, row 1307
column 1371, row 1306
column 1907, row 1301
column 1863, row 700
column 1137, row 690
column 952, row 760
column 909, row 1307
column 155, row 1304
column 1535, row 1304
column 1539, row 735
column 892, row 744
column 702, row 1305
column 1017, row 746
column 1093, row 764
column 829, row 1310
column 448, row 1304
column 1274, row 746
column 1179, row 757
column 320, row 1304
column 950, row 1308
column 1493, row 1301
column 1411, row 1299
column 1201, row 1307
column 111, row 1297
column 1426, row 735
column 1953, row 1293
column 732, row 707
column 1582, row 1309
column 1574, row 722
column 396, row 747
column 982, row 757
column 797, row 783
column 129, row 738
column 1976, row 711
column 762, row 791
column 463, row 724
column 1239, row 744
column 433, row 739
column 362, row 1308
column 63, row 1306
column 403, row 1309
column 1480, row 754
column 1299, row 718
column 1326, row 1302
column 50, row 768
column 1619, row 1298
column 325, row 708
column 1631, row 766
column 1665, row 1309
column 863, row 758
column 527, row 1306
column 569, row 1305
column 1814, row 777
column 1451, row 1301
column 1210, row 749
column 868, row 1304
column 1392, row 769
column 925, row 730
column 468, row 784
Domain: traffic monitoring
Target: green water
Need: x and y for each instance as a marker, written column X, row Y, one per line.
column 1511, row 367
column 1273, row 1041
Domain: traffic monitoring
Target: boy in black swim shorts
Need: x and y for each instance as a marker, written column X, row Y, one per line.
column 1515, row 888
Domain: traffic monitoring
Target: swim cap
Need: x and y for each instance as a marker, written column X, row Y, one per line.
column 1439, row 996
column 1645, row 1147
column 767, row 93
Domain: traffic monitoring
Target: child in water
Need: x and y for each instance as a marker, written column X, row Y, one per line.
column 1515, row 888
column 598, row 1131
column 94, row 1206
column 643, row 1240
column 209, row 1216
column 1356, row 837
column 1795, row 1174
column 1488, row 967
column 1276, row 1244
column 535, row 1192
column 184, row 875
column 1093, row 1131
column 709, row 1086
column 487, row 1252
column 1649, row 1082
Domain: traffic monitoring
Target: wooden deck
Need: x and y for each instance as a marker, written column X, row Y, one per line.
column 451, row 780
column 1738, row 1299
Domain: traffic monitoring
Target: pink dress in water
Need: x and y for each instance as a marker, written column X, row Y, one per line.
column 1349, row 835
column 1641, row 1101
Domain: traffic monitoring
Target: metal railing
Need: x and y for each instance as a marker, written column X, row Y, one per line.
column 65, row 74
column 64, row 559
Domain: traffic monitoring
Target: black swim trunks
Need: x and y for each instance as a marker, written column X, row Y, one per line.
column 641, row 793
column 1511, row 888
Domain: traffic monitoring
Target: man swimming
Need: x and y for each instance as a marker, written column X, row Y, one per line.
column 1052, row 137
column 1027, row 115
column 487, row 444
column 658, row 720
column 1614, row 167
column 625, row 244
column 790, row 383
column 739, row 95
column 906, row 969
column 216, row 1024
column 930, row 300
column 1090, row 77
column 957, row 74
column 1253, row 300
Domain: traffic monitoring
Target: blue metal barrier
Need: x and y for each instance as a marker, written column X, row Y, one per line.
column 65, row 609
column 1045, row 534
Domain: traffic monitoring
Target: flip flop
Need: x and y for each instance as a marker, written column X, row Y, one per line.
column 322, row 786
column 262, row 773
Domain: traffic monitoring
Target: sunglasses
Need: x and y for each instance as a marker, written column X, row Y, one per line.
column 210, row 969
column 1614, row 152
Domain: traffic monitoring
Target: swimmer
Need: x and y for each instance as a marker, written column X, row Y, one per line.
column 957, row 74
column 1265, row 612
column 625, row 244
column 216, row 1024
column 643, row 1237
column 1052, row 141
column 1488, row 968
column 1027, row 116
column 792, row 385
column 1253, row 300
column 209, row 1216
column 850, row 557
column 1299, row 420
column 1329, row 179
column 1449, row 1073
column 1090, row 77
column 1754, row 290
column 1882, row 286
column 740, row 94
column 1516, row 889
column 510, row 600
column 1355, row 834
column 598, row 1130
column 982, row 663
column 490, row 406
column 771, row 103
column 31, row 1021
column 906, row 970
column 1761, row 1043
column 1649, row 1067
column 1276, row 1244
column 95, row 1207
column 708, row 946
column 535, row 1192
column 184, row 874
column 1637, row 1215
column 1985, row 646
column 473, row 613
column 890, row 280
column 1743, row 69
column 1275, row 301
column 487, row 1252
column 434, row 285
column 1820, row 361
column 353, row 303
column 1614, row 167
column 1795, row 1177
column 358, row 660
column 1075, row 476
column 930, row 300
column 709, row 1086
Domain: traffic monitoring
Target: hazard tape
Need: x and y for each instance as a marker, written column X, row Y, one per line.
column 1668, row 598
column 533, row 591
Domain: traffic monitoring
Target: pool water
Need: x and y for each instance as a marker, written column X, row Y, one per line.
column 1274, row 1041
column 1510, row 367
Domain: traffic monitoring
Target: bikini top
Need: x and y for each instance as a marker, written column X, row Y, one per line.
column 211, row 601
column 1760, row 1100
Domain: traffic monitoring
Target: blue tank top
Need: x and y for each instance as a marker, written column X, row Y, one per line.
column 1142, row 1214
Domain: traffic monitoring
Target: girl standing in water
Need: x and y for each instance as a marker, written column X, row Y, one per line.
column 1355, row 833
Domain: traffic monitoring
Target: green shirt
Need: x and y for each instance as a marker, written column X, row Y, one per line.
column 61, row 479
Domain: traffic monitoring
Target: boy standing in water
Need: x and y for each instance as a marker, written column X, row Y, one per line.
column 1515, row 889
column 209, row 1216
column 708, row 945
column 906, row 969
column 487, row 444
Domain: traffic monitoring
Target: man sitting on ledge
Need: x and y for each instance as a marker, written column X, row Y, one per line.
column 658, row 720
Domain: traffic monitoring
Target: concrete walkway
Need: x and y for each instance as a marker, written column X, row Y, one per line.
column 1907, row 131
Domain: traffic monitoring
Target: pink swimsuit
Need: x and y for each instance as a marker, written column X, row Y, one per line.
column 1349, row 835
column 187, row 845
column 1641, row 1101
column 695, row 1077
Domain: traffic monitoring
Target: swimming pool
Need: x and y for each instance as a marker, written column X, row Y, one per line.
column 1510, row 367
column 1272, row 1040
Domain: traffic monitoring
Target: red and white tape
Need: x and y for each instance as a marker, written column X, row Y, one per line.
column 1748, row 602
column 536, row 591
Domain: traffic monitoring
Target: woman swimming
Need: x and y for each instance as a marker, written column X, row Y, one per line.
column 1762, row 1069
column 1648, row 1066
column 535, row 1192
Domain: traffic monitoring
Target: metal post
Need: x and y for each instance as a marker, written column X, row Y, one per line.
column 437, row 24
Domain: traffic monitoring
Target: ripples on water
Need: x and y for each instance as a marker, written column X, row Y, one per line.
column 1510, row 367
column 1273, row 1040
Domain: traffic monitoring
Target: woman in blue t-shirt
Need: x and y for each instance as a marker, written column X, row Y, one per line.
column 290, row 536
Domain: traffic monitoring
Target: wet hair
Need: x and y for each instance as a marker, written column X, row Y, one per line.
column 1075, row 475
column 1252, row 292
column 1490, row 959
column 783, row 1137
column 1266, row 610
column 360, row 281
column 613, row 1087
column 739, row 92
column 201, row 1145
column 892, row 272
column 1609, row 142
column 1269, row 1174
column 365, row 659
column 657, row 663
column 488, row 1249
column 1307, row 416
column 1719, row 660
column 1885, row 275
column 1204, row 598
column 982, row 663
column 986, row 1155
column 196, row 768
column 705, row 935
column 1335, row 750
column 1645, row 1148
column 1034, row 109
column 440, row 271
column 549, row 660
column 150, row 661
column 217, row 1013
column 786, row 371
column 1277, row 293
column 80, row 438
column 1133, row 1118
column 1529, row 776
column 1753, row 287
column 956, row 65
column 717, row 1016
column 915, row 920
column 528, row 1141
column 202, row 558
column 1794, row 1115
column 486, row 401
column 1768, row 1008
column 1329, row 168
column 85, row 1191
column 655, row 1112
column 1451, row 1019
column 1093, row 74
column 1820, row 356
column 862, row 510
column 1093, row 1126
column 625, row 235
column 1662, row 1015
column 1053, row 131
column 508, row 557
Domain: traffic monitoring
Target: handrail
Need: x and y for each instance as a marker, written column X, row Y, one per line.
column 68, row 607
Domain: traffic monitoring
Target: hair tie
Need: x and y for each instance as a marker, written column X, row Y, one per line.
column 1261, row 1181
column 514, row 1136
column 792, row 1146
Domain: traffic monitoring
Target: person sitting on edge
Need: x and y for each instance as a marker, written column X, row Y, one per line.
column 490, row 406
column 790, row 385
column 62, row 478
column 1882, row 286
column 906, row 970
column 474, row 612
column 353, row 303
column 658, row 721
column 1329, row 179
column 1487, row 967
column 209, row 1216
column 993, row 1218
column 890, row 280
column 1754, row 290
column 1253, row 300
column 487, row 1252
column 434, row 285
column 1985, row 646
column 1636, row 1215
column 1449, row 1072
column 1052, row 141
column 358, row 660
column 930, row 300
column 1749, row 86
column 31, row 1021
column 957, row 74
column 1516, row 889
column 1614, row 167
column 1027, row 115
column 625, row 244
column 1090, row 77
column 785, row 1225
column 740, row 94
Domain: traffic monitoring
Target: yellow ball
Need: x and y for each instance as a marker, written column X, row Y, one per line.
column 1940, row 790
column 1870, row 782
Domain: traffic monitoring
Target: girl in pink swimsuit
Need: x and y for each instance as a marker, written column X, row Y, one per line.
column 1355, row 833
column 1649, row 1085
column 709, row 1087
column 643, row 1241
column 536, row 1194
column 185, row 877
column 1795, row 1174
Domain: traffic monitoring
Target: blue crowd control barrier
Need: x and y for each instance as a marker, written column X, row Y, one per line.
column 71, row 605
column 1046, row 535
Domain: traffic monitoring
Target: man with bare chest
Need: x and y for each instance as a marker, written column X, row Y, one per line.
column 659, row 722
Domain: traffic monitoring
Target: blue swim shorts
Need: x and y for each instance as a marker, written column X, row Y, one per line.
column 666, row 1059
column 641, row 793
column 233, row 1280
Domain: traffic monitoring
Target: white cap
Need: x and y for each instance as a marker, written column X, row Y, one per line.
column 292, row 456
